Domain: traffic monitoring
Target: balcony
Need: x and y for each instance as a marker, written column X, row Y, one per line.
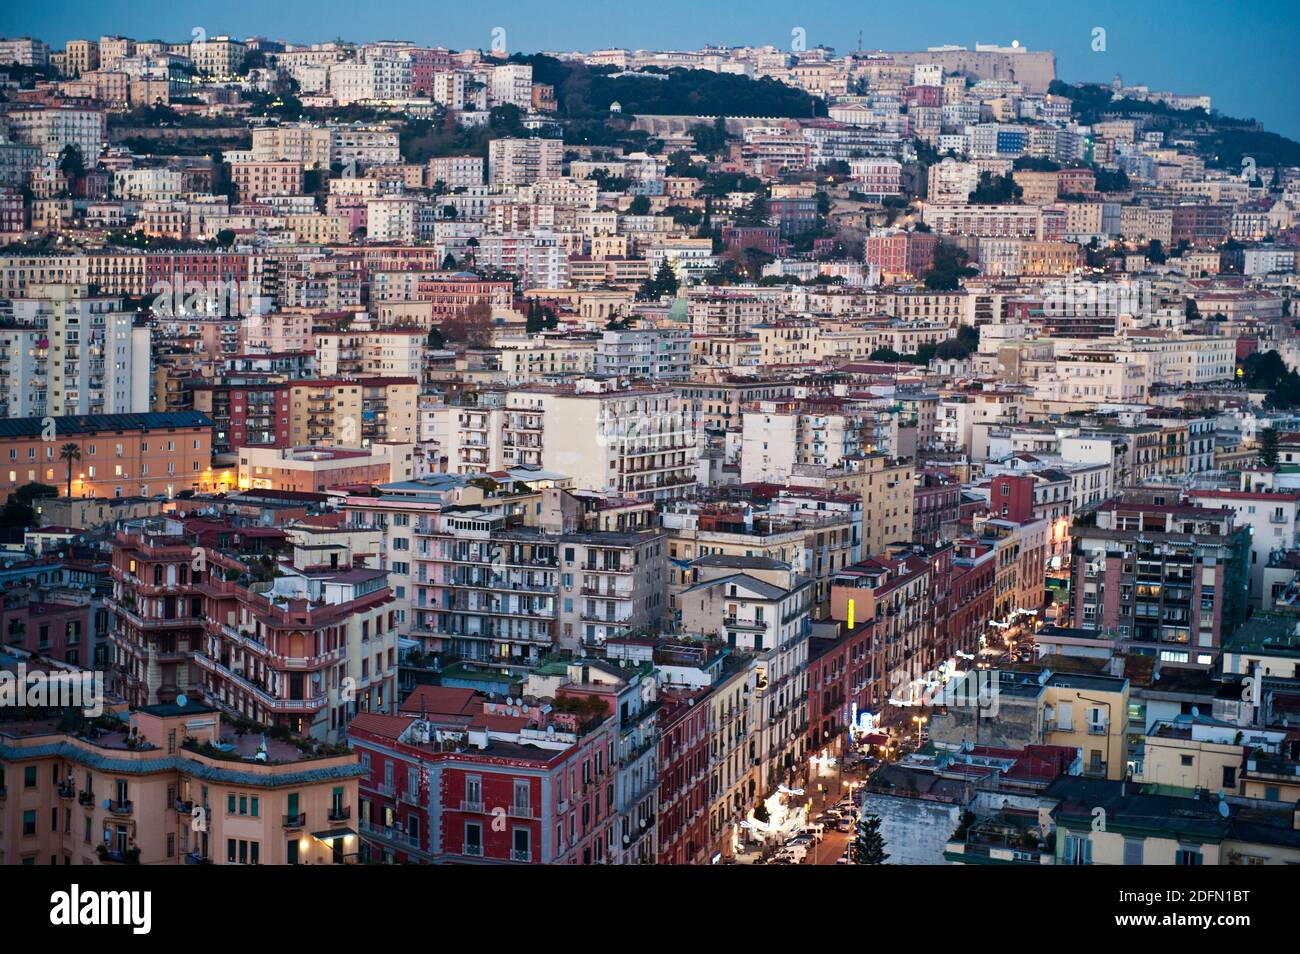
column 183, row 806
column 295, row 821
column 66, row 791
column 86, row 799
column 474, row 807
column 523, row 811
column 520, row 855
column 120, row 807
column 340, row 813
column 473, row 851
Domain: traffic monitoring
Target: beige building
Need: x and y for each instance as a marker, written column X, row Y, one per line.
column 163, row 794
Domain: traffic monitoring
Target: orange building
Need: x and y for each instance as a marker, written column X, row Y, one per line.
column 172, row 789
column 117, row 455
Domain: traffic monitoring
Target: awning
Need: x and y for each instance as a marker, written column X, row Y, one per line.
column 876, row 739
column 332, row 833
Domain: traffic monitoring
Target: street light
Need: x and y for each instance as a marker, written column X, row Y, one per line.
column 920, row 724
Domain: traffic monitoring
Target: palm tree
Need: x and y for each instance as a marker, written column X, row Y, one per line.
column 70, row 452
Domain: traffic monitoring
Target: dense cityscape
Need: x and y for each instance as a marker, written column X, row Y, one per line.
column 725, row 456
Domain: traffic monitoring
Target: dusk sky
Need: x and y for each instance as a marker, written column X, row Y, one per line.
column 1240, row 53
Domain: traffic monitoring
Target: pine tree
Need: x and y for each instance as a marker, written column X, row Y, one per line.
column 869, row 848
column 1268, row 446
column 666, row 280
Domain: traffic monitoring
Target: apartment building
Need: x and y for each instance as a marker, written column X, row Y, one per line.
column 116, row 454
column 519, row 162
column 761, row 606
column 1167, row 580
column 172, row 786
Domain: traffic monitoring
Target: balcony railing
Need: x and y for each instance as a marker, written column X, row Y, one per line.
column 520, row 855
column 122, row 807
column 295, row 821
column 340, row 812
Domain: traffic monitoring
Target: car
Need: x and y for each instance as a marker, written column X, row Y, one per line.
column 844, row 824
column 843, row 860
column 818, row 832
column 796, row 852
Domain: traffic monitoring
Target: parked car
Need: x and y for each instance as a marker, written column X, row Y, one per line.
column 795, row 852
column 844, row 824
column 817, row 831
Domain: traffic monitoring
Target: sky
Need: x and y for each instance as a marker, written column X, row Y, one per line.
column 1240, row 52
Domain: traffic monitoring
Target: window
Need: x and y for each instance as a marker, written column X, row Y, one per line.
column 1188, row 856
column 1077, row 850
column 1133, row 851
column 520, row 850
column 473, row 838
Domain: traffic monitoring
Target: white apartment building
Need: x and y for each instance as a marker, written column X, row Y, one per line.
column 455, row 172
column 523, row 161
column 659, row 354
column 777, row 436
column 760, row 606
column 95, row 362
column 52, row 128
column 637, row 442
column 511, row 84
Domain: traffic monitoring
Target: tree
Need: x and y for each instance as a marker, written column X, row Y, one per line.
column 969, row 335
column 869, row 847
column 71, row 163
column 18, row 512
column 70, row 452
column 533, row 317
column 995, row 190
column 472, row 326
column 950, row 267
column 755, row 213
column 952, row 348
column 663, row 284
column 1193, row 313
column 1268, row 446
column 640, row 205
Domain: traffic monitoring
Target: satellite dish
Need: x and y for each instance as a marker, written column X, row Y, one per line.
column 1195, row 712
column 1223, row 807
column 550, row 730
column 182, row 701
